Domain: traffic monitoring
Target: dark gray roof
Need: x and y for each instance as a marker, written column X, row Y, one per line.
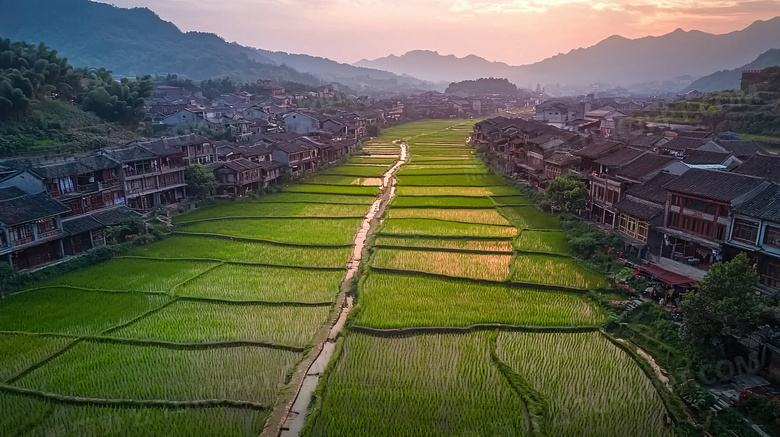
column 742, row 149
column 645, row 141
column 130, row 153
column 620, row 157
column 27, row 207
column 114, row 216
column 714, row 184
column 97, row 220
column 653, row 190
column 763, row 166
column 702, row 157
column 270, row 165
column 643, row 166
column 563, row 159
column 701, row 134
column 292, row 147
column 765, row 205
column 639, row 209
column 78, row 225
column 598, row 149
column 10, row 193
column 683, row 143
column 73, row 167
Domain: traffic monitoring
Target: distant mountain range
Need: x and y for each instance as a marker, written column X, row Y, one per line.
column 136, row 41
column 730, row 79
column 613, row 61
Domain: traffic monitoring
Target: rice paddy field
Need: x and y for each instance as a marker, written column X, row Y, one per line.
column 194, row 335
column 470, row 317
column 304, row 231
column 460, row 250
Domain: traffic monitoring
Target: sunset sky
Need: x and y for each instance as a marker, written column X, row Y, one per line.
column 511, row 31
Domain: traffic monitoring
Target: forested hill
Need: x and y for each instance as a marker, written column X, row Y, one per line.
column 729, row 79
column 482, row 87
column 134, row 42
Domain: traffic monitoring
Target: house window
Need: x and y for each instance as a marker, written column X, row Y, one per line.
column 745, row 231
column 47, row 227
column 770, row 273
column 21, row 234
column 772, row 237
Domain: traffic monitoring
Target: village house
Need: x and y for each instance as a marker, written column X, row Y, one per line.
column 755, row 230
column 641, row 212
column 300, row 123
column 31, row 232
column 300, row 158
column 697, row 214
column 183, row 117
column 152, row 173
column 238, row 176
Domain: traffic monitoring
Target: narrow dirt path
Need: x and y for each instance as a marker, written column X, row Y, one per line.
column 296, row 414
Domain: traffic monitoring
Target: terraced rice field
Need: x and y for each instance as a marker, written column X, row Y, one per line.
column 437, row 243
column 386, row 302
column 417, row 386
column 443, row 228
column 604, row 394
column 202, row 333
column 195, row 335
column 476, row 216
column 305, row 231
column 441, row 309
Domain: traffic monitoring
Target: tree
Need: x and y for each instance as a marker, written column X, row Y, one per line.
column 724, row 303
column 7, row 276
column 567, row 193
column 200, row 181
column 372, row 130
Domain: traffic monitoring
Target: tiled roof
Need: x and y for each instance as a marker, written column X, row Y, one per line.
column 292, row 147
column 130, row 153
column 73, row 167
column 639, row 209
column 620, row 157
column 78, row 225
column 270, row 165
column 742, row 149
column 598, row 149
column 644, row 141
column 682, row 143
column 114, row 216
column 643, row 166
column 171, row 145
column 652, row 190
column 563, row 159
column 700, row 134
column 766, row 205
column 10, row 193
column 763, row 166
column 714, row 184
column 27, row 207
column 700, row 157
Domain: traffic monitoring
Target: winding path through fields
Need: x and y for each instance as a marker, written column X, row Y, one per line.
column 294, row 415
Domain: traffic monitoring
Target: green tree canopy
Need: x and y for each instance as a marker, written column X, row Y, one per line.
column 567, row 193
column 725, row 302
column 200, row 181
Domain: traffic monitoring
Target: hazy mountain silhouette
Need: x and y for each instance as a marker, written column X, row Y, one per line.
column 136, row 41
column 430, row 65
column 730, row 79
column 615, row 60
